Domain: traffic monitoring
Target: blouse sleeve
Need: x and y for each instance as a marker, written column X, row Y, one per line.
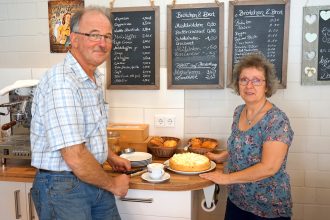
column 277, row 128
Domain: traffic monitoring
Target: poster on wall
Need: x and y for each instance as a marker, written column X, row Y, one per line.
column 59, row 16
column 315, row 69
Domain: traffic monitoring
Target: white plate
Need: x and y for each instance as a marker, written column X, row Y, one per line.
column 146, row 177
column 137, row 156
column 213, row 165
column 138, row 159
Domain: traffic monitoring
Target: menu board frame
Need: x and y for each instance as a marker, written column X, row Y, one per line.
column 232, row 4
column 218, row 85
column 311, row 39
column 156, row 86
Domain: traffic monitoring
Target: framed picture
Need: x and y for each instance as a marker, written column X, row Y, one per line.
column 59, row 16
column 315, row 65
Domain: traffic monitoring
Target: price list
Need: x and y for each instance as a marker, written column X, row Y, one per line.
column 133, row 53
column 259, row 29
column 195, row 46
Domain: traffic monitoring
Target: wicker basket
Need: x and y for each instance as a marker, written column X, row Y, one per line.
column 202, row 150
column 159, row 151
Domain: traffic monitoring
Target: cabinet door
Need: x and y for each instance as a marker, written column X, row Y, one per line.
column 13, row 201
column 153, row 204
column 31, row 211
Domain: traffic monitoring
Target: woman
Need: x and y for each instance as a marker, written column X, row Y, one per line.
column 258, row 185
column 63, row 31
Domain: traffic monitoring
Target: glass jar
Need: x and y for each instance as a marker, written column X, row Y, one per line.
column 113, row 141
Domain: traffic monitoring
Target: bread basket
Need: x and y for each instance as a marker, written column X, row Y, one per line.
column 161, row 151
column 202, row 150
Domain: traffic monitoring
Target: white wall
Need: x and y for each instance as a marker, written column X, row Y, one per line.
column 24, row 54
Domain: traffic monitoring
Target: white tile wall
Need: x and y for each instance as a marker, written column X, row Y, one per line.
column 24, row 54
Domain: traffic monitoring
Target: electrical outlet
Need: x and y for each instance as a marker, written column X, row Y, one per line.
column 170, row 121
column 159, row 121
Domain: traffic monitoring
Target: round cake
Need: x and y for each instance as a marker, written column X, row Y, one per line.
column 189, row 162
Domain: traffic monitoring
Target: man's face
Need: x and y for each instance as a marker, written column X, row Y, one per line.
column 91, row 52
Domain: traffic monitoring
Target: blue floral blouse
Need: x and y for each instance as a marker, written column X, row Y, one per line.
column 270, row 197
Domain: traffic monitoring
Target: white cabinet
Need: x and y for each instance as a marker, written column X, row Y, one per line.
column 15, row 202
column 32, row 213
column 154, row 204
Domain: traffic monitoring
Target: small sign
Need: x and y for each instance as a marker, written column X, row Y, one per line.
column 315, row 69
column 59, row 16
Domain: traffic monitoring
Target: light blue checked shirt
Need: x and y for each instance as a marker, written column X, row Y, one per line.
column 68, row 108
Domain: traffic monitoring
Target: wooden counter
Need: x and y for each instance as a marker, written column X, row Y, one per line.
column 21, row 171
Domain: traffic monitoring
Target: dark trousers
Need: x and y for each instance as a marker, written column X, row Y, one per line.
column 235, row 213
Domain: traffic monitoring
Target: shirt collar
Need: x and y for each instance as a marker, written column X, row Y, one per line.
column 79, row 71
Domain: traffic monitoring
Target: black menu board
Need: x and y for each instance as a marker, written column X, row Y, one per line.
column 134, row 60
column 259, row 27
column 195, row 46
column 323, row 73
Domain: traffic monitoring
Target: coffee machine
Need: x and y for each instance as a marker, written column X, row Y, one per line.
column 16, row 143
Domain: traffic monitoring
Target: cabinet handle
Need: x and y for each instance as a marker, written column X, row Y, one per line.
column 17, row 205
column 31, row 206
column 127, row 199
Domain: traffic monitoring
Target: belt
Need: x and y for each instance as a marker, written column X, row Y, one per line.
column 55, row 172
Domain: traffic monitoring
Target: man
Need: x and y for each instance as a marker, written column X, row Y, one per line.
column 68, row 130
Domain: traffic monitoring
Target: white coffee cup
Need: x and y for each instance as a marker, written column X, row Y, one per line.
column 155, row 170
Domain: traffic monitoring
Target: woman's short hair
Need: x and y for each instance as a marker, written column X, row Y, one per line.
column 258, row 61
column 75, row 19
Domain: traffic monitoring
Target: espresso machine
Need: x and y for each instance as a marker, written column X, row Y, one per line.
column 16, row 143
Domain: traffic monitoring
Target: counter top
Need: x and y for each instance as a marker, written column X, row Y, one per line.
column 21, row 171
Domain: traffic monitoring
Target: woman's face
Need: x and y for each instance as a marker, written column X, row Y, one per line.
column 252, row 85
column 67, row 18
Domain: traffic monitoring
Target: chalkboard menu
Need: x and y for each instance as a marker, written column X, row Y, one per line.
column 324, row 46
column 134, row 60
column 256, row 27
column 195, row 46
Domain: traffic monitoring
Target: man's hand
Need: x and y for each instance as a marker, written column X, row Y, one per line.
column 87, row 169
column 118, row 163
column 119, row 185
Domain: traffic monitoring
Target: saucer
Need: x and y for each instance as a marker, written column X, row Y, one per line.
column 146, row 177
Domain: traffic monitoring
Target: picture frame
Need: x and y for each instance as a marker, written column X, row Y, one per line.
column 59, row 15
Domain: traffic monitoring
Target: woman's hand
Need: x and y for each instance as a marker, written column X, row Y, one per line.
column 217, row 177
column 218, row 158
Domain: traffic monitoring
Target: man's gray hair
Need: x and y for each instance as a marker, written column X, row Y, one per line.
column 74, row 23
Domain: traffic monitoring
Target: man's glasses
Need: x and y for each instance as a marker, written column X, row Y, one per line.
column 97, row 37
column 255, row 81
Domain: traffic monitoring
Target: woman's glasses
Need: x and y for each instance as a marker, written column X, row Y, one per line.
column 255, row 81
